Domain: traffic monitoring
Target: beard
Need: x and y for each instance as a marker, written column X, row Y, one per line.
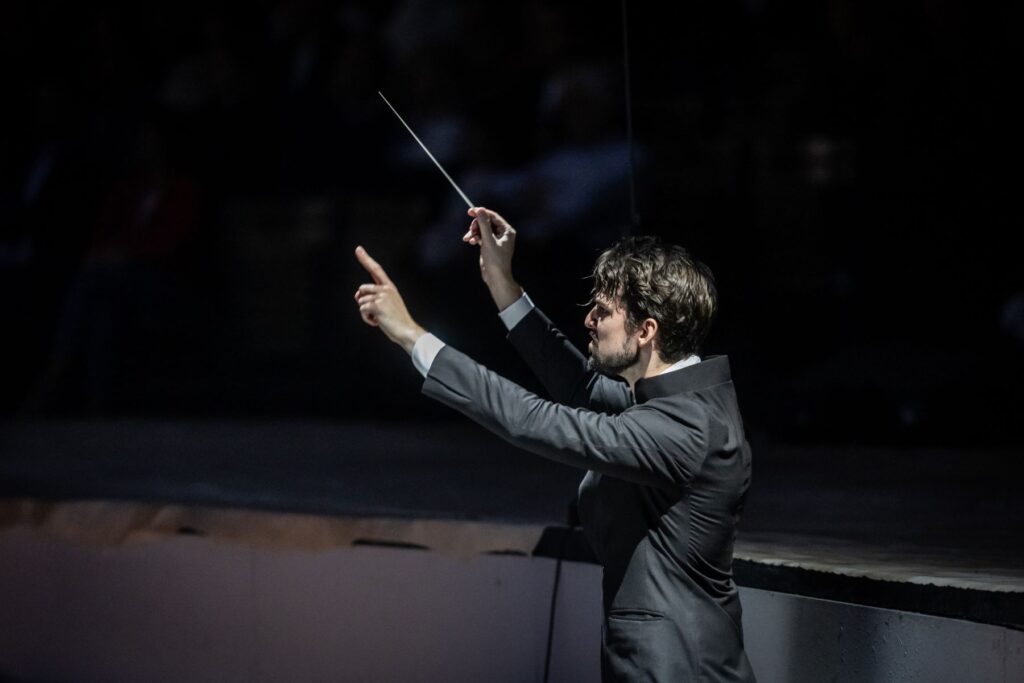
column 612, row 364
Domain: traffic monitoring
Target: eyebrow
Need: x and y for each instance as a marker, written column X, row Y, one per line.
column 604, row 303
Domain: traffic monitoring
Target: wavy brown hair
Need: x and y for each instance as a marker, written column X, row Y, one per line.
column 652, row 279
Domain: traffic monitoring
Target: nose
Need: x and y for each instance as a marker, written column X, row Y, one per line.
column 590, row 321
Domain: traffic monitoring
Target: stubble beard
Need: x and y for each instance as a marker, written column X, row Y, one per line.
column 615, row 363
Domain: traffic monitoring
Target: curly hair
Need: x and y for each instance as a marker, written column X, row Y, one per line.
column 661, row 281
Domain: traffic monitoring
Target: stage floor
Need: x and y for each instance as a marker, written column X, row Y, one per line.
column 869, row 518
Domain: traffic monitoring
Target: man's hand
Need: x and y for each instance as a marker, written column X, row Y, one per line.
column 380, row 305
column 497, row 241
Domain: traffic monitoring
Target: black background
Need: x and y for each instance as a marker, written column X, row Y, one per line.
column 844, row 169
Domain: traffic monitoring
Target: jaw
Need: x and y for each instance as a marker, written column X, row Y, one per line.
column 622, row 365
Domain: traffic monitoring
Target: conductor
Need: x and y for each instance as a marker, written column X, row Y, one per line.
column 656, row 427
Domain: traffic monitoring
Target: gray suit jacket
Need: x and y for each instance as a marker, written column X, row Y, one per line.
column 667, row 477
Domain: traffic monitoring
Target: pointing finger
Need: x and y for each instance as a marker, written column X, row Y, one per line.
column 372, row 267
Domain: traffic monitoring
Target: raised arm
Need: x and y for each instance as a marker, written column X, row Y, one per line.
column 642, row 445
column 497, row 242
column 562, row 369
column 556, row 362
column 381, row 305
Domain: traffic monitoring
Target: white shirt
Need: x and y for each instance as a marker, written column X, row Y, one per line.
column 426, row 348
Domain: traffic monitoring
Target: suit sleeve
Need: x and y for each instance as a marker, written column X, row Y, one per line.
column 562, row 369
column 642, row 445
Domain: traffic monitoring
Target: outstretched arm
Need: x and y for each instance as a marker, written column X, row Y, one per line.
column 643, row 445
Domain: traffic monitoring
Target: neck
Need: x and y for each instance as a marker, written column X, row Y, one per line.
column 649, row 365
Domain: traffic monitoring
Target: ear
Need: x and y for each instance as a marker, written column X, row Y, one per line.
column 648, row 330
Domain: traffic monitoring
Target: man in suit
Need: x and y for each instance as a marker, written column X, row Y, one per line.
column 656, row 427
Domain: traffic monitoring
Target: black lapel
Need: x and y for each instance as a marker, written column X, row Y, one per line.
column 707, row 373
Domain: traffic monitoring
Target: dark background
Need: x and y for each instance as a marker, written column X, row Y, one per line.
column 183, row 185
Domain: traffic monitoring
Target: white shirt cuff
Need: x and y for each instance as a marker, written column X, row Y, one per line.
column 516, row 311
column 424, row 351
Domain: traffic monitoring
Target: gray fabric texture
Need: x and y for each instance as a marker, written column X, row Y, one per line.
column 667, row 475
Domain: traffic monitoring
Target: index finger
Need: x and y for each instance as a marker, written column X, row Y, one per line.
column 372, row 267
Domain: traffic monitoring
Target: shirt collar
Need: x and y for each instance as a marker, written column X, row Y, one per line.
column 678, row 365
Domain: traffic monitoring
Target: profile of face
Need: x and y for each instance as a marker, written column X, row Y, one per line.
column 612, row 349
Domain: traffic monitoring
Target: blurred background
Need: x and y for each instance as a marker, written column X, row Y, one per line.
column 182, row 185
